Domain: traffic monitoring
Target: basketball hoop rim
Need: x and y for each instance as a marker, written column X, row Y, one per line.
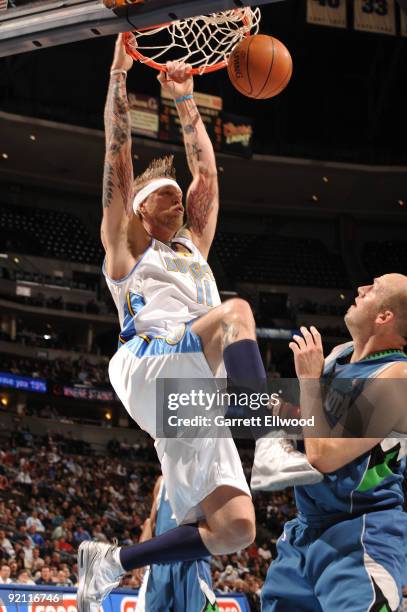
column 136, row 55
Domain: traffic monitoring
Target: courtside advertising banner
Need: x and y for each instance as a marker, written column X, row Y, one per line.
column 20, row 598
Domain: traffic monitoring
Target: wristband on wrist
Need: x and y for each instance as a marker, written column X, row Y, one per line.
column 183, row 98
column 118, row 71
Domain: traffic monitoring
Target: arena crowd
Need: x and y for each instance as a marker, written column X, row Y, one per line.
column 55, row 493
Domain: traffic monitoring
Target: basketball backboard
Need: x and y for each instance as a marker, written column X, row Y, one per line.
column 27, row 26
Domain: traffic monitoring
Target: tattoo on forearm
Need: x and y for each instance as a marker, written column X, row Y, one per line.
column 120, row 124
column 118, row 172
column 189, row 119
column 117, row 117
column 196, row 150
column 193, row 152
column 189, row 129
column 230, row 333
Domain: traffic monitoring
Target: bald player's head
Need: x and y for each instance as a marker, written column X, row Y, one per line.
column 380, row 309
column 396, row 300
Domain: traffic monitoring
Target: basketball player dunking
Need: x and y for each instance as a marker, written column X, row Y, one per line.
column 345, row 550
column 173, row 325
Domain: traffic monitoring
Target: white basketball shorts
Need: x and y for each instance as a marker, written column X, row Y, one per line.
column 192, row 467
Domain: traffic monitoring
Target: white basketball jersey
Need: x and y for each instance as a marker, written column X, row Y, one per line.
column 165, row 288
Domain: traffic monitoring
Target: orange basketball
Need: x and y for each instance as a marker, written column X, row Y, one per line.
column 260, row 66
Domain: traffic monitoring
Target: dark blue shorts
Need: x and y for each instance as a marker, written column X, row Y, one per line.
column 179, row 587
column 353, row 565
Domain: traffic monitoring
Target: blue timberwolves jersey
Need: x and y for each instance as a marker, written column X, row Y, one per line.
column 165, row 519
column 372, row 481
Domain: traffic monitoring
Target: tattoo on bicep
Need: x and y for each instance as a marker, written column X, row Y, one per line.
column 108, row 184
column 199, row 206
column 124, row 178
column 230, row 334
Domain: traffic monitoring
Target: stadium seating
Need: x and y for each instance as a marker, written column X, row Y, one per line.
column 281, row 260
column 47, row 233
column 383, row 257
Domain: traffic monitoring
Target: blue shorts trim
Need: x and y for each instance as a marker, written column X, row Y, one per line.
column 181, row 340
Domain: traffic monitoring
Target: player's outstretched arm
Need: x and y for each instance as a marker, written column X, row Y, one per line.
column 203, row 193
column 118, row 168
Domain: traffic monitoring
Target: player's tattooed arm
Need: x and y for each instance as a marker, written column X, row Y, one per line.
column 200, row 203
column 118, row 168
column 198, row 147
column 190, row 118
column 202, row 199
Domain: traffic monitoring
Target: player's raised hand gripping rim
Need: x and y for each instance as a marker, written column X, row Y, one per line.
column 177, row 81
column 308, row 353
column 121, row 60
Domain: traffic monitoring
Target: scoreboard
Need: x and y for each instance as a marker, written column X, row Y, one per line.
column 210, row 108
column 158, row 118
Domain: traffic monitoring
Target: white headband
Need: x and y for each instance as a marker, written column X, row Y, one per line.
column 153, row 186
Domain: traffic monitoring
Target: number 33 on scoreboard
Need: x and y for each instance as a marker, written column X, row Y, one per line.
column 375, row 16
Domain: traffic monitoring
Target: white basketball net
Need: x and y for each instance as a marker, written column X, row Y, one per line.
column 202, row 41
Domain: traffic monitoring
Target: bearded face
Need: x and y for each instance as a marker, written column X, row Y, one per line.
column 162, row 213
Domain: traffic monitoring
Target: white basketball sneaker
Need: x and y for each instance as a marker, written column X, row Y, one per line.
column 277, row 465
column 99, row 573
